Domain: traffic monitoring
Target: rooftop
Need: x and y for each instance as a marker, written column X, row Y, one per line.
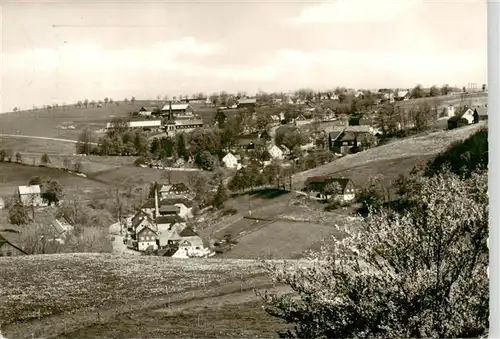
column 32, row 189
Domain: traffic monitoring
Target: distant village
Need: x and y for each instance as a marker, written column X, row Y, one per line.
column 162, row 225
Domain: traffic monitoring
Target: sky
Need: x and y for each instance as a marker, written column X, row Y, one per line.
column 62, row 52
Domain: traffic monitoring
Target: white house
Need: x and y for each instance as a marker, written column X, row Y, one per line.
column 139, row 124
column 146, row 237
column 31, row 195
column 468, row 114
column 230, row 161
column 275, row 152
column 448, row 111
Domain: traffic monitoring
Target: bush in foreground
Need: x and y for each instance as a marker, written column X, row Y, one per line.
column 417, row 273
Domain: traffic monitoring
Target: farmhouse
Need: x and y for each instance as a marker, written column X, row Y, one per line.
column 275, row 152
column 173, row 127
column 466, row 116
column 482, row 113
column 143, row 123
column 185, row 206
column 9, row 244
column 177, row 110
column 147, row 110
column 325, row 187
column 179, row 190
column 247, row 103
column 402, row 95
column 31, row 195
column 146, row 238
column 230, row 161
column 349, row 139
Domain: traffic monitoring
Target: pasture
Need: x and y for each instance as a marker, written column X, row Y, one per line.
column 67, row 283
column 280, row 240
column 68, row 123
column 13, row 175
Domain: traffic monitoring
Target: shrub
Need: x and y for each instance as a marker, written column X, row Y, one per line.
column 417, row 273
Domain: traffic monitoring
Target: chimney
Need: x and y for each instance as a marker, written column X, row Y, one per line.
column 170, row 117
column 156, row 203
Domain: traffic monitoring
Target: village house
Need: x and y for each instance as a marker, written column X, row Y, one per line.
column 482, row 113
column 324, row 187
column 249, row 103
column 146, row 238
column 172, row 127
column 177, row 110
column 230, row 161
column 146, row 111
column 348, row 139
column 31, row 196
column 145, row 124
column 466, row 116
column 169, row 222
column 185, row 206
column 275, row 152
column 189, row 243
column 301, row 121
column 178, row 190
column 10, row 244
column 402, row 95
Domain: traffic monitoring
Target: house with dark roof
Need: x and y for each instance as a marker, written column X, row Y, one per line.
column 169, row 222
column 482, row 113
column 327, row 187
column 147, row 238
column 147, row 110
column 177, row 110
column 174, row 126
column 178, row 190
column 247, row 103
column 10, row 244
column 31, row 195
column 466, row 116
column 351, row 139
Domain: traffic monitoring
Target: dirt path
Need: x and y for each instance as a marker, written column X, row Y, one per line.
column 41, row 138
column 53, row 326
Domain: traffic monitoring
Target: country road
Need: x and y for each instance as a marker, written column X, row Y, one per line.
column 41, row 138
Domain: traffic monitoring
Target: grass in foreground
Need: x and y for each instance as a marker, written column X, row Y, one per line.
column 45, row 285
column 246, row 320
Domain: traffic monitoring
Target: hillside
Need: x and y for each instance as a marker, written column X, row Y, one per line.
column 13, row 175
column 68, row 123
column 389, row 160
column 55, row 123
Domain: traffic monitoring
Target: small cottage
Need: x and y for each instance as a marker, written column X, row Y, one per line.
column 325, row 187
column 275, row 152
column 230, row 161
column 465, row 117
column 31, row 195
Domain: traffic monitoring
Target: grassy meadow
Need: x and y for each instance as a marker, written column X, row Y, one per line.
column 69, row 282
column 13, row 175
